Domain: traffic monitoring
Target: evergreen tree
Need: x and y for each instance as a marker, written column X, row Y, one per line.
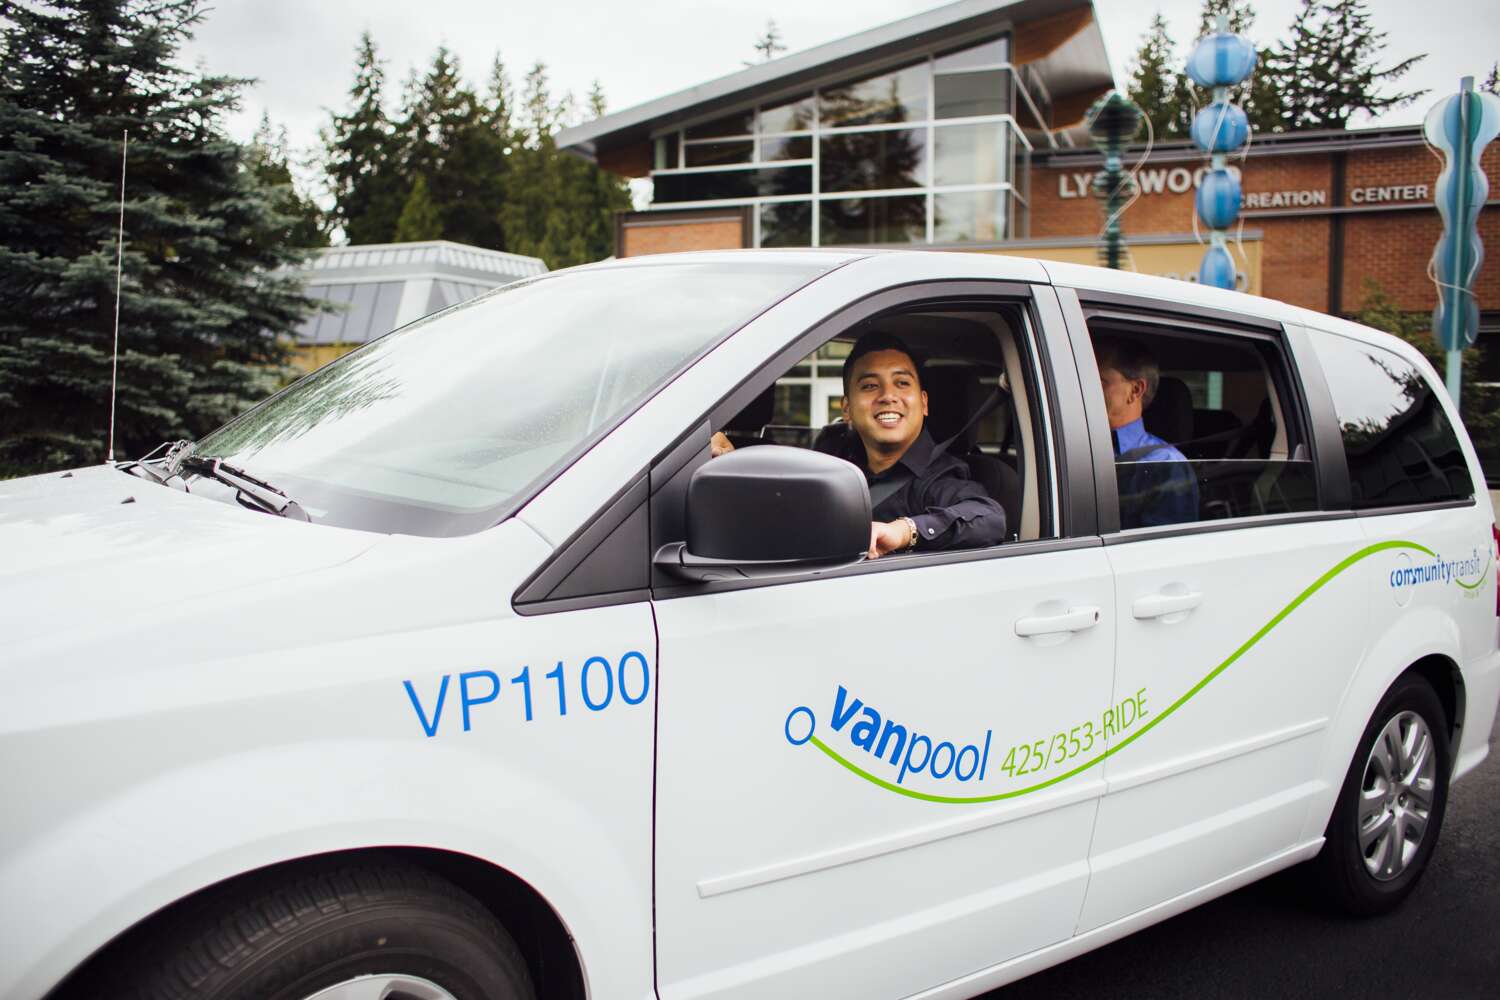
column 449, row 140
column 269, row 160
column 1492, row 82
column 1153, row 83
column 769, row 45
column 558, row 207
column 1328, row 70
column 363, row 158
column 419, row 217
column 204, row 304
column 597, row 102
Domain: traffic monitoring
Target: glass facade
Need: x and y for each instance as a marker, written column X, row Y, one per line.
column 922, row 153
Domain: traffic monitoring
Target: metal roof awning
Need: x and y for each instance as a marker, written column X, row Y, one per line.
column 1067, row 52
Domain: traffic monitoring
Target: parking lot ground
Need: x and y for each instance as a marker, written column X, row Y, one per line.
column 1270, row 940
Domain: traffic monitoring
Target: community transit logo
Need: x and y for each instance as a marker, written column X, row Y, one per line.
column 1440, row 570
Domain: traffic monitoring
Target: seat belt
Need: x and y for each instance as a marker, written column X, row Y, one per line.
column 985, row 409
column 887, row 488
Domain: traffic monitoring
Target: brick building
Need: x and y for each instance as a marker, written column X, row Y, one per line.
column 961, row 128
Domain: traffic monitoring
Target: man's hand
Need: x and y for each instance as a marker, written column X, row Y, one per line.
column 887, row 537
column 719, row 445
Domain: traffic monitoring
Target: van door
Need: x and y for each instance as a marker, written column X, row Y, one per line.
column 1239, row 616
column 865, row 781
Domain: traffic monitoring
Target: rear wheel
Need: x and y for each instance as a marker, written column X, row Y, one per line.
column 335, row 932
column 1389, row 812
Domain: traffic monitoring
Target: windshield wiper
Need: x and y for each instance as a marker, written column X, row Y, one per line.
column 140, row 468
column 257, row 492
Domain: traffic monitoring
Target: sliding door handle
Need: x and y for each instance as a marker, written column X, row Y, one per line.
column 1161, row 605
column 1071, row 620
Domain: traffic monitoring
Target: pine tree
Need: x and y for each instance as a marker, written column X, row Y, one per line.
column 1328, row 70
column 449, row 138
column 363, row 161
column 1152, row 81
column 204, row 308
column 596, row 101
column 1240, row 15
column 269, row 160
column 558, row 206
column 769, row 45
column 419, row 216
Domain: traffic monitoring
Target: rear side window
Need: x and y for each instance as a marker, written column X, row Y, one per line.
column 1203, row 422
column 1400, row 446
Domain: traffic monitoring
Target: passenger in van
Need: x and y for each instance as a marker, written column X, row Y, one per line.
column 1156, row 482
column 922, row 498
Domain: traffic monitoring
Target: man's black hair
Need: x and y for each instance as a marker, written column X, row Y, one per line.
column 879, row 340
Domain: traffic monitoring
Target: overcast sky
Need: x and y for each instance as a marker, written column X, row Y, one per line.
column 301, row 52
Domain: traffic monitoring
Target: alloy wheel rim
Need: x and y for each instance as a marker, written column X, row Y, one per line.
column 384, row 986
column 1396, row 796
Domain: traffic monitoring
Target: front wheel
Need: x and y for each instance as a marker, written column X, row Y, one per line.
column 335, row 932
column 1390, row 809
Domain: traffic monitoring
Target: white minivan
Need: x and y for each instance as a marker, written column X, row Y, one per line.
column 460, row 669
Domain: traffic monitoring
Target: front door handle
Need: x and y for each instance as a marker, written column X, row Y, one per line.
column 1071, row 620
column 1161, row 605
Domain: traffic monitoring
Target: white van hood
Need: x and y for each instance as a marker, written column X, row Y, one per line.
column 92, row 547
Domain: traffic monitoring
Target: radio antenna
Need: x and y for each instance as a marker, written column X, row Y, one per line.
column 114, row 373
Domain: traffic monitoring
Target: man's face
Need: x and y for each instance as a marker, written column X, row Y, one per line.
column 884, row 403
column 1122, row 397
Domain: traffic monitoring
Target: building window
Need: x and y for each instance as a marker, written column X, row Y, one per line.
column 923, row 153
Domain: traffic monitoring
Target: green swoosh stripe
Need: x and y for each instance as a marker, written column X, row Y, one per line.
column 1477, row 583
column 1244, row 648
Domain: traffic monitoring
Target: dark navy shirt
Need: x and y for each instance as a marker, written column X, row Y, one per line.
column 1156, row 482
column 951, row 511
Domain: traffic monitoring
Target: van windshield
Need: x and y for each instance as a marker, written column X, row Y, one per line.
column 443, row 426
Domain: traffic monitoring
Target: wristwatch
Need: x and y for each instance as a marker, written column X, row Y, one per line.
column 912, row 525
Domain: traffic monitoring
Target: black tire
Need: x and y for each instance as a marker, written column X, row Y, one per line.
column 1345, row 878
column 288, row 935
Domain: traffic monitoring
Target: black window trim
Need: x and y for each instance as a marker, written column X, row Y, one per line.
column 1047, row 360
column 1080, row 305
column 1416, row 508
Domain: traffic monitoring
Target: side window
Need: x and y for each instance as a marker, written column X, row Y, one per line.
column 1204, row 424
column 1400, row 447
column 978, row 372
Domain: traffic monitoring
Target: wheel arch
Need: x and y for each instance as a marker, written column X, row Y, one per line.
column 1443, row 673
column 1405, row 647
column 546, row 944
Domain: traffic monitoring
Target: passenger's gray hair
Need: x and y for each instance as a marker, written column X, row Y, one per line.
column 1131, row 360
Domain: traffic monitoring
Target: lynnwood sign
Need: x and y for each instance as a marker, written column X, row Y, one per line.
column 1156, row 180
column 1181, row 180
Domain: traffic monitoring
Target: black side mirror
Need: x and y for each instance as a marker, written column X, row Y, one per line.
column 771, row 511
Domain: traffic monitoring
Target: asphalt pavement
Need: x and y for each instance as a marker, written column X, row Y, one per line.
column 1270, row 940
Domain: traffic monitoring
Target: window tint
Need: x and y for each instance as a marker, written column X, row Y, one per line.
column 1202, row 426
column 1400, row 447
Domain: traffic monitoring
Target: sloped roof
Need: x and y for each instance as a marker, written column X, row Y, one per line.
column 1081, row 63
column 375, row 288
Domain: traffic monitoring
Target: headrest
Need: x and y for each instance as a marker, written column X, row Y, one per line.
column 1170, row 415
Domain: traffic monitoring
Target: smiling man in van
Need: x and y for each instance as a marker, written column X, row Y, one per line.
column 921, row 497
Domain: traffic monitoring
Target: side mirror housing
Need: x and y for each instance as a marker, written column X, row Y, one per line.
column 771, row 511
